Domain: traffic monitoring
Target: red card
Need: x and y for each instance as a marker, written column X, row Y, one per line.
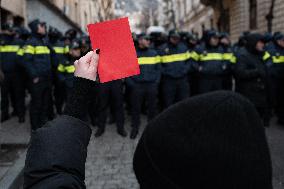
column 118, row 57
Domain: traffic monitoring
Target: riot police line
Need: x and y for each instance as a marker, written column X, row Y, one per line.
column 173, row 66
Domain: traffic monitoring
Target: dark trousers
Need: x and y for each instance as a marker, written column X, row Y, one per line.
column 228, row 82
column 110, row 93
column 62, row 89
column 193, row 79
column 277, row 96
column 13, row 91
column 143, row 92
column 40, row 98
column 59, row 96
column 209, row 84
column 174, row 90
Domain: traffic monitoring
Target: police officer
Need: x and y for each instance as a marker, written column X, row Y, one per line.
column 69, row 36
column 211, row 66
column 59, row 51
column 229, row 59
column 65, row 70
column 21, row 37
column 251, row 75
column 175, row 66
column 192, row 43
column 85, row 44
column 37, row 61
column 276, row 73
column 11, row 84
column 144, row 87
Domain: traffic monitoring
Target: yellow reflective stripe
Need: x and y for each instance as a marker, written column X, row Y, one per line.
column 10, row 48
column 194, row 56
column 230, row 57
column 266, row 56
column 234, row 59
column 211, row 56
column 175, row 57
column 70, row 69
column 28, row 49
column 149, row 60
column 42, row 50
column 61, row 68
column 278, row 59
column 20, row 52
column 59, row 50
column 66, row 49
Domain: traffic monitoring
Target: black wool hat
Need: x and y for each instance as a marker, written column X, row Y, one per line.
column 215, row 140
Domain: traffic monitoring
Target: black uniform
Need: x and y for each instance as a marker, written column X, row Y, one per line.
column 12, row 85
column 251, row 77
column 175, row 68
column 144, row 87
column 212, row 69
column 110, row 93
column 230, row 60
column 276, row 73
column 191, row 43
column 37, row 61
column 61, row 70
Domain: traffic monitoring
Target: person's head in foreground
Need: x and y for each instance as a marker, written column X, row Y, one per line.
column 215, row 140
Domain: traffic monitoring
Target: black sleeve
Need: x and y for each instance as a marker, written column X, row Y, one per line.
column 57, row 154
column 77, row 103
column 242, row 71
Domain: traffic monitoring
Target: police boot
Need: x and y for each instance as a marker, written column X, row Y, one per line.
column 134, row 133
column 99, row 132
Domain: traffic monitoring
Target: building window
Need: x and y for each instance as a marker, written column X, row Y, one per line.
column 253, row 14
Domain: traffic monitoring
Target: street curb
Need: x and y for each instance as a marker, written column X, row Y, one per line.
column 13, row 179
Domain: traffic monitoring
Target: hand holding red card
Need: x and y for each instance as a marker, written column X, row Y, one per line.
column 118, row 57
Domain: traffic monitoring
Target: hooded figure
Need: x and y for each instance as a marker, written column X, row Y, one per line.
column 37, row 61
column 251, row 75
column 214, row 140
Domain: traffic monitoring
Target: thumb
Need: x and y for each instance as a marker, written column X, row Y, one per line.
column 94, row 60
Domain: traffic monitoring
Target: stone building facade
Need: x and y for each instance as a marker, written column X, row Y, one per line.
column 248, row 15
column 62, row 14
column 233, row 16
column 186, row 15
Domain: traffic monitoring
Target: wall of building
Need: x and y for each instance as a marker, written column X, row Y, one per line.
column 195, row 17
column 36, row 9
column 239, row 16
column 17, row 7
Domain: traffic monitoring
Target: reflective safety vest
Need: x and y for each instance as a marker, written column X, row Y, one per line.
column 28, row 49
column 149, row 60
column 210, row 56
column 66, row 68
column 230, row 57
column 266, row 56
column 61, row 50
column 20, row 52
column 9, row 48
column 278, row 59
column 194, row 55
column 175, row 57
